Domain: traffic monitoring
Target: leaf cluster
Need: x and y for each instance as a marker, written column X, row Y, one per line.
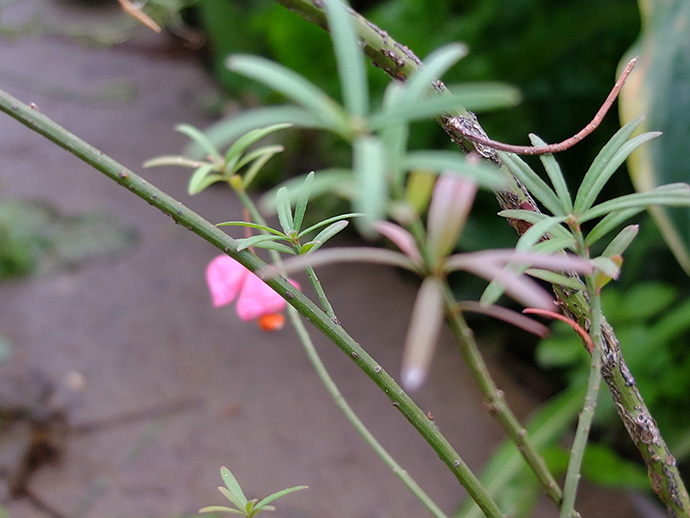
column 242, row 506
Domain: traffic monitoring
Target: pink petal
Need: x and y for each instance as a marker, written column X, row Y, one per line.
column 257, row 299
column 225, row 277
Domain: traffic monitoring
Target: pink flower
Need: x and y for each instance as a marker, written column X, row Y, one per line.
column 227, row 279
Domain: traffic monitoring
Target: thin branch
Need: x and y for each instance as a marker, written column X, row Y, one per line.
column 468, row 126
column 308, row 309
column 496, row 403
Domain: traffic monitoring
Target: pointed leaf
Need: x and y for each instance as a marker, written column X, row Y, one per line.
column 172, row 160
column 258, row 241
column 243, row 160
column 201, row 140
column 557, row 279
column 248, row 224
column 599, row 177
column 603, row 157
column 534, row 184
column 202, row 178
column 293, row 86
column 620, row 243
column 220, row 509
column 328, row 221
column 555, row 174
column 369, row 168
column 257, row 165
column 270, row 498
column 672, row 195
column 284, row 211
column 302, row 201
column 349, row 59
column 233, row 487
column 326, row 234
column 608, row 223
column 242, row 143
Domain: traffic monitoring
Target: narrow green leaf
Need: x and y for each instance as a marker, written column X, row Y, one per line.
column 229, row 129
column 284, row 211
column 257, row 241
column 270, row 498
column 349, row 59
column 553, row 170
column 202, row 178
column 603, row 157
column 220, row 509
column 172, row 160
column 620, row 243
column 201, row 140
column 608, row 223
column 371, row 192
column 278, row 247
column 242, row 143
column 263, row 228
column 672, row 195
column 253, row 155
column 455, row 162
column 293, row 86
column 258, row 164
column 435, row 65
column 534, row 184
column 303, row 200
column 326, row 234
column 497, row 97
column 329, row 221
column 233, row 488
column 601, row 176
column 557, row 279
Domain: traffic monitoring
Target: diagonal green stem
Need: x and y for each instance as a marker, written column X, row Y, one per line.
column 310, row 311
column 496, row 403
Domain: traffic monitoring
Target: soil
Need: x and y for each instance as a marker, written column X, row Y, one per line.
column 147, row 388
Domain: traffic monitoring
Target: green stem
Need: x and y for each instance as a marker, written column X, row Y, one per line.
column 320, row 294
column 572, row 477
column 216, row 237
column 495, row 400
column 354, row 420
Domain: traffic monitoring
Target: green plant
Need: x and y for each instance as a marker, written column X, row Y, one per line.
column 233, row 492
column 382, row 181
